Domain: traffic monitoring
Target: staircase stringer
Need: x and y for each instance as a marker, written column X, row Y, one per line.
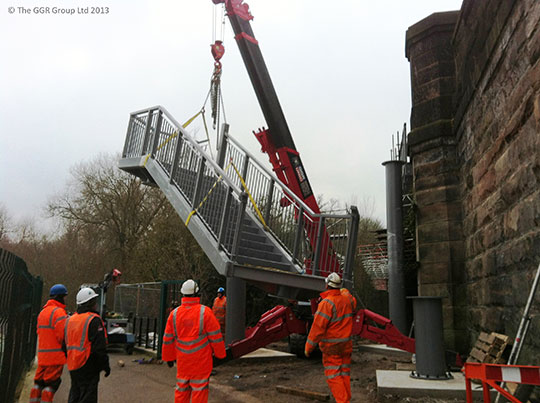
column 219, row 258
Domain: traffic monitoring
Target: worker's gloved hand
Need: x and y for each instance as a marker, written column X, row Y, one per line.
column 107, row 371
column 170, row 364
column 306, row 353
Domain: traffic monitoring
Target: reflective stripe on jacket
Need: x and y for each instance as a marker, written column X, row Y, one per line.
column 50, row 330
column 332, row 325
column 219, row 308
column 76, row 338
column 191, row 337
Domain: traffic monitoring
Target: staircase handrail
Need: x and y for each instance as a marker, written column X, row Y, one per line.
column 220, row 170
column 272, row 175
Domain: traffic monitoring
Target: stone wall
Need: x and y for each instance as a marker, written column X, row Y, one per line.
column 497, row 127
column 435, row 164
column 475, row 149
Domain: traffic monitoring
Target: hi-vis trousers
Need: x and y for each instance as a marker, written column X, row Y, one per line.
column 337, row 369
column 193, row 389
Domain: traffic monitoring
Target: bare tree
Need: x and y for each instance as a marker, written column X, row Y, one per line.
column 108, row 207
column 5, row 223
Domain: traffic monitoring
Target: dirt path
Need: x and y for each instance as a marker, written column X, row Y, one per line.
column 239, row 381
column 140, row 383
column 259, row 377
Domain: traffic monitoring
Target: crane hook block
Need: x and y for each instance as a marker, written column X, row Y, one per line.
column 218, row 50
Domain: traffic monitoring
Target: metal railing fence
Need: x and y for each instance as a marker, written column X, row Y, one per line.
column 318, row 242
column 146, row 332
column 20, row 303
column 171, row 297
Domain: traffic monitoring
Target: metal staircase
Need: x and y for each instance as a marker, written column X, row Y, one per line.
column 258, row 232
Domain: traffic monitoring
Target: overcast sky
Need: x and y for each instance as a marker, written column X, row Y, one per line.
column 69, row 82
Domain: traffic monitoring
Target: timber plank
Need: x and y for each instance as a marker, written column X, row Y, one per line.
column 322, row 397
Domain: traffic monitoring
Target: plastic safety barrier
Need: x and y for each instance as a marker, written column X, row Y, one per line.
column 490, row 374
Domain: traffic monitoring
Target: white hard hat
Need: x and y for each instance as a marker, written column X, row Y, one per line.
column 85, row 294
column 189, row 287
column 333, row 280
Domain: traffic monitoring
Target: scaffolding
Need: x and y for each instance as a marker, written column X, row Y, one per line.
column 374, row 258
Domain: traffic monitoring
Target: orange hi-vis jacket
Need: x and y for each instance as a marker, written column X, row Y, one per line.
column 191, row 336
column 50, row 330
column 332, row 326
column 76, row 338
column 219, row 309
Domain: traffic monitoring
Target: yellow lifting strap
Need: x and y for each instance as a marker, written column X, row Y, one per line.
column 249, row 194
column 172, row 136
column 192, row 118
column 243, row 185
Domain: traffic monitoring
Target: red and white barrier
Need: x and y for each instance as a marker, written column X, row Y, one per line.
column 489, row 374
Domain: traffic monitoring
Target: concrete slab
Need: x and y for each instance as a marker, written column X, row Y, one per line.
column 401, row 384
column 266, row 353
column 385, row 350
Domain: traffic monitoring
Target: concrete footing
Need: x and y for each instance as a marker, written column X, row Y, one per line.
column 266, row 353
column 385, row 350
column 400, row 383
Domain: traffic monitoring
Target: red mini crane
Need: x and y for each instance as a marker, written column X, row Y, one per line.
column 278, row 144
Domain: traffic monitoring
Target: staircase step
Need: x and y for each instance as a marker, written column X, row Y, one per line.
column 249, row 236
column 261, row 254
column 252, row 229
column 248, row 221
column 263, row 263
column 267, row 247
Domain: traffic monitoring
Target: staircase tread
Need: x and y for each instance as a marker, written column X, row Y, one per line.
column 263, row 263
column 260, row 254
column 265, row 246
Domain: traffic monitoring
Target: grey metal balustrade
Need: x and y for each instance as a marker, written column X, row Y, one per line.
column 214, row 188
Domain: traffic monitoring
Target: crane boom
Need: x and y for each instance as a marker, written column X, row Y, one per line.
column 277, row 140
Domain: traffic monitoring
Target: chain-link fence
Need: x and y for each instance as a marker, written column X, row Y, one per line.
column 140, row 303
column 20, row 300
column 137, row 300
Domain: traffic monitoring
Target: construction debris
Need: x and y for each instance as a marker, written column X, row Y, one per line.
column 322, row 397
column 121, row 363
column 489, row 348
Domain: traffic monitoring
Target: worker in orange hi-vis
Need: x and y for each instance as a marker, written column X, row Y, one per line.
column 192, row 336
column 332, row 329
column 51, row 358
column 220, row 308
column 85, row 341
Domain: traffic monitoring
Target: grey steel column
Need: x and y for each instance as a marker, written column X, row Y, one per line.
column 236, row 310
column 394, row 233
column 429, row 339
